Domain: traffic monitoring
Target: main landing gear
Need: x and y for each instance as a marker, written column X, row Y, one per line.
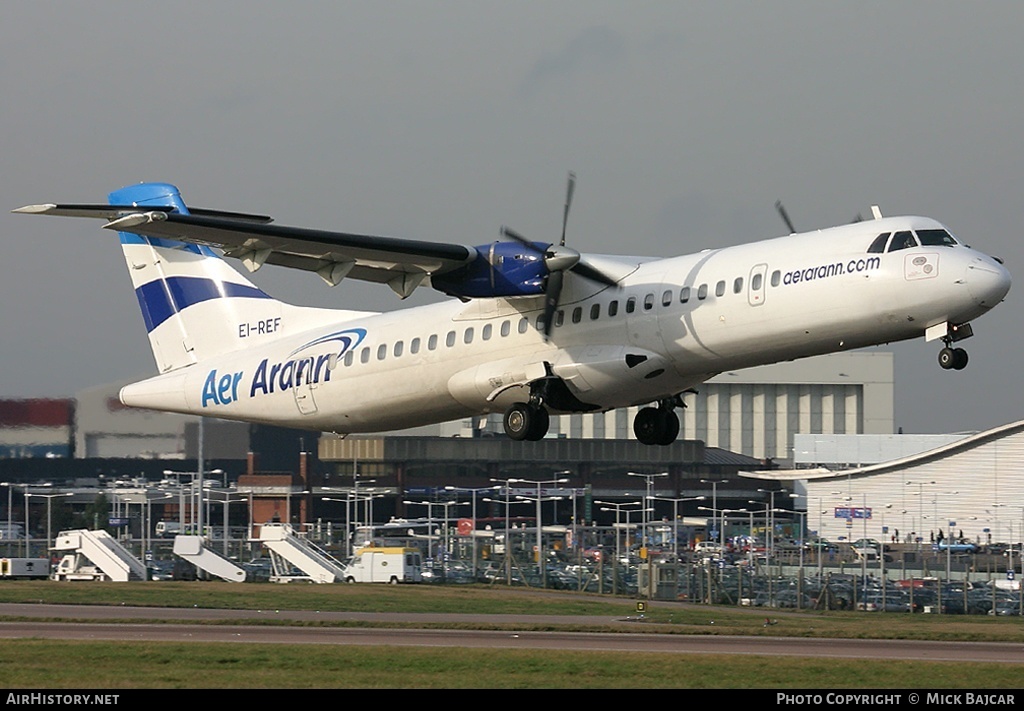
column 657, row 425
column 526, row 421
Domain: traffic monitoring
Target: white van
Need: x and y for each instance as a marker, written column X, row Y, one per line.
column 168, row 529
column 385, row 565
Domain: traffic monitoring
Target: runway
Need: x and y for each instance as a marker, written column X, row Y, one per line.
column 185, row 625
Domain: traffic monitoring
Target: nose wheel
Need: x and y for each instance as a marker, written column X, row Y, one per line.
column 953, row 358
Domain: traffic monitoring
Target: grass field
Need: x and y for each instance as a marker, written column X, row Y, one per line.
column 77, row 665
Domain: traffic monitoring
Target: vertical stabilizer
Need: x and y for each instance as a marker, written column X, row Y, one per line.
column 194, row 305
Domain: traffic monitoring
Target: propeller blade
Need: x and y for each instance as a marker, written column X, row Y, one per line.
column 588, row 272
column 551, row 295
column 568, row 201
column 785, row 216
column 512, row 234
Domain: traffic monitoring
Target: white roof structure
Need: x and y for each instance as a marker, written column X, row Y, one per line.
column 974, row 485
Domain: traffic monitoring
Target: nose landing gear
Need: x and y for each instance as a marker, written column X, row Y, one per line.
column 953, row 358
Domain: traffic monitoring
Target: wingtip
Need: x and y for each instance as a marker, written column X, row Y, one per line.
column 35, row 209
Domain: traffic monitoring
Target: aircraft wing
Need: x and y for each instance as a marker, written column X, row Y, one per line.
column 400, row 263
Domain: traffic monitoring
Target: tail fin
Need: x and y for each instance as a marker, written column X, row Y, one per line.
column 195, row 306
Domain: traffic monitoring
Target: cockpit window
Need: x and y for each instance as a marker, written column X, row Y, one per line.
column 902, row 240
column 878, row 245
column 936, row 238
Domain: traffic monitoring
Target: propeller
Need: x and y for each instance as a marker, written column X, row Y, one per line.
column 785, row 216
column 559, row 259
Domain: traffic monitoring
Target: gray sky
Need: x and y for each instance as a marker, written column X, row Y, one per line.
column 684, row 122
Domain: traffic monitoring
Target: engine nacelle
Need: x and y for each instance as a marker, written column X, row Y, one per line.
column 500, row 269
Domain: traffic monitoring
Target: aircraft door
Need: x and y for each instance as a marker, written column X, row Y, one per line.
column 756, row 285
column 303, row 387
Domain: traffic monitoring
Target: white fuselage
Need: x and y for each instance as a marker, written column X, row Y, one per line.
column 670, row 325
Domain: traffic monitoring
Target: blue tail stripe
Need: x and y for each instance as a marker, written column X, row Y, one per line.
column 163, row 298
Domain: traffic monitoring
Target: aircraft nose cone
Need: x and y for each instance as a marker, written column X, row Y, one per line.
column 988, row 281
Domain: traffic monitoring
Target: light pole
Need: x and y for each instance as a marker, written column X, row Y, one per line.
column 226, row 500
column 714, row 502
column 508, row 533
column 618, row 508
column 473, row 533
column 675, row 518
column 540, row 542
column 920, row 507
column 648, row 495
column 49, row 498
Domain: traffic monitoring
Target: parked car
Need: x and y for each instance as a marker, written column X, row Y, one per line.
column 955, row 547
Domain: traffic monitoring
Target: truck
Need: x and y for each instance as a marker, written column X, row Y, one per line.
column 385, row 565
column 24, row 567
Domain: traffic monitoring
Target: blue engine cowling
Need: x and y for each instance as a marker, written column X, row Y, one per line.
column 500, row 269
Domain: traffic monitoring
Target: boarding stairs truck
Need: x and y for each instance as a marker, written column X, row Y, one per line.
column 290, row 551
column 95, row 555
column 385, row 565
column 194, row 550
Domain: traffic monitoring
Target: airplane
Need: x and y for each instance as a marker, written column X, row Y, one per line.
column 534, row 328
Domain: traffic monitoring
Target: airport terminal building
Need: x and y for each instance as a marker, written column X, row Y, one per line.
column 912, row 488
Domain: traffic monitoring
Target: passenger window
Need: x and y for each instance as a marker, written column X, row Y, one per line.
column 776, row 277
column 595, row 312
column 720, row 289
column 902, row 240
column 432, row 342
column 613, row 308
column 449, row 340
column 467, row 337
column 737, row 286
column 878, row 246
column 630, row 304
column 349, row 358
column 577, row 314
column 486, row 333
column 506, row 328
column 414, row 346
column 524, row 324
column 399, row 347
column 702, row 292
column 757, row 281
column 559, row 318
column 684, row 295
column 666, row 298
column 382, row 351
column 648, row 302
column 364, row 355
column 540, row 322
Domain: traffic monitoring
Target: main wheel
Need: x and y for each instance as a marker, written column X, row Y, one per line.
column 649, row 426
column 539, row 425
column 518, row 419
column 671, row 424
